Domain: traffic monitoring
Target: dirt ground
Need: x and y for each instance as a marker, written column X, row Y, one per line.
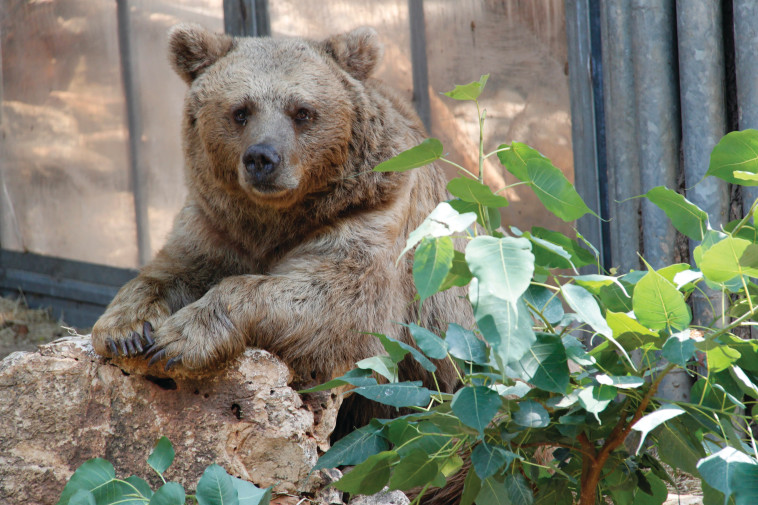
column 23, row 329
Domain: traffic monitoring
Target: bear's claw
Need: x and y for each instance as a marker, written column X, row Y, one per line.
column 132, row 341
column 176, row 360
column 131, row 345
column 156, row 354
column 112, row 346
column 159, row 355
column 136, row 342
column 147, row 329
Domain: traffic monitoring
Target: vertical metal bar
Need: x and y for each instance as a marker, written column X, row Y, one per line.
column 239, row 17
column 583, row 116
column 601, row 157
column 621, row 135
column 701, row 83
column 703, row 99
column 745, row 44
column 249, row 18
column 658, row 128
column 137, row 173
column 419, row 62
column 2, row 14
column 262, row 19
column 3, row 203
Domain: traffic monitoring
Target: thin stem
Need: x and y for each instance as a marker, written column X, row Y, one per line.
column 706, row 411
column 417, row 500
column 501, row 150
column 710, row 303
column 436, row 384
column 582, row 450
column 548, row 286
column 509, row 186
column 731, row 326
column 745, row 219
column 747, row 293
column 159, row 474
column 539, row 313
column 481, row 115
column 481, row 141
column 455, row 367
column 459, row 167
column 138, row 495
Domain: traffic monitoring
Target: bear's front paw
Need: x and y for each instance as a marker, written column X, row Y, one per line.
column 197, row 337
column 125, row 330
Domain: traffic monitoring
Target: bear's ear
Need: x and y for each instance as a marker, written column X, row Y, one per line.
column 192, row 49
column 357, row 52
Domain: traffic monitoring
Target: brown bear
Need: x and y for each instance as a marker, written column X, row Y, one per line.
column 288, row 241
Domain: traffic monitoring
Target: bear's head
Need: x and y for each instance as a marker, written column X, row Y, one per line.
column 271, row 117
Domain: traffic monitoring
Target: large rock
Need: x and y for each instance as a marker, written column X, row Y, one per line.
column 63, row 405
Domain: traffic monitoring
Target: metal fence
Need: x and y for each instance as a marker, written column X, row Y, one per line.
column 655, row 85
column 90, row 163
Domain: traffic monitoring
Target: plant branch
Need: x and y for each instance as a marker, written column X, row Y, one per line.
column 591, row 472
column 621, row 430
column 587, row 492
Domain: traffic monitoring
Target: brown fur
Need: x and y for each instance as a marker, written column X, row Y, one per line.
column 302, row 265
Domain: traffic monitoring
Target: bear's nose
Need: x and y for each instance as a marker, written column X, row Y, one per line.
column 260, row 161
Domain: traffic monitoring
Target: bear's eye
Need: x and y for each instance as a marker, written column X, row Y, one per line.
column 303, row 115
column 240, row 116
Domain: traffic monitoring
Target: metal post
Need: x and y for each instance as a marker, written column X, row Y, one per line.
column 249, row 18
column 583, row 132
column 137, row 171
column 702, row 89
column 745, row 43
column 701, row 83
column 1, row 70
column 419, row 62
column 658, row 135
column 621, row 134
column 3, row 203
column 658, row 128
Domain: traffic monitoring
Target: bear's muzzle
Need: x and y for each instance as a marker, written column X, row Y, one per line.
column 261, row 161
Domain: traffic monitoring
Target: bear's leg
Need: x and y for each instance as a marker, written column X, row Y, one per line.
column 312, row 319
column 129, row 320
column 144, row 303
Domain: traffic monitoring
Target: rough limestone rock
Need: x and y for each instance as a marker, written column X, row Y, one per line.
column 384, row 497
column 63, row 405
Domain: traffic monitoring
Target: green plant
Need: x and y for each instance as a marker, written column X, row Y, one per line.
column 542, row 417
column 95, row 483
